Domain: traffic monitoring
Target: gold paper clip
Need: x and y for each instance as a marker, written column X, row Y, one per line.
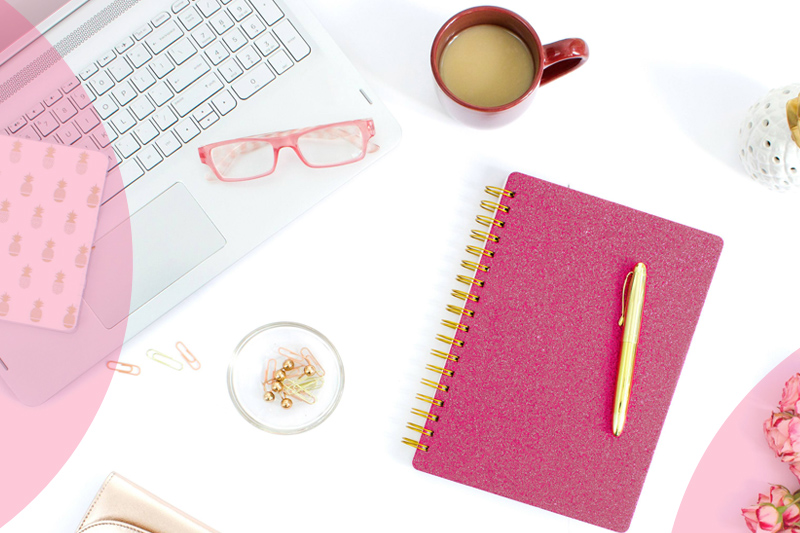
column 311, row 360
column 164, row 359
column 194, row 364
column 124, row 368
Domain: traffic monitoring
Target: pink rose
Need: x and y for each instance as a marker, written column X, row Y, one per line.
column 777, row 511
column 791, row 395
column 783, row 436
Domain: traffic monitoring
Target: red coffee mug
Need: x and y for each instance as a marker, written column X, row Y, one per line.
column 550, row 62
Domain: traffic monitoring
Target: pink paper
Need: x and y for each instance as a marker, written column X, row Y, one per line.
column 49, row 199
column 528, row 411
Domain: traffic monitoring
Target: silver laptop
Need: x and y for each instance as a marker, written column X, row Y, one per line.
column 162, row 79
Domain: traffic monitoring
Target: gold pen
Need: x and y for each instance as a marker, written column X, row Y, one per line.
column 632, row 321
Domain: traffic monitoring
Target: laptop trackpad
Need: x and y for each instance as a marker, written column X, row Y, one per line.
column 171, row 235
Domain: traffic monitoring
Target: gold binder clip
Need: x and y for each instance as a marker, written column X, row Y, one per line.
column 124, row 368
column 194, row 364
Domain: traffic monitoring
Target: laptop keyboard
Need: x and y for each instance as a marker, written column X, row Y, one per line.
column 166, row 83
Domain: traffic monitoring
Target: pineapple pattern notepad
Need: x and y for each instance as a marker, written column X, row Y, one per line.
column 49, row 201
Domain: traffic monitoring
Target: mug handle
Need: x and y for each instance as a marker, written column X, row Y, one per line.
column 562, row 57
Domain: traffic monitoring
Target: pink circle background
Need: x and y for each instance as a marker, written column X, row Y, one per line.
column 37, row 441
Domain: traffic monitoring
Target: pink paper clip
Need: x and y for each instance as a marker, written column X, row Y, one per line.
column 123, row 368
column 194, row 364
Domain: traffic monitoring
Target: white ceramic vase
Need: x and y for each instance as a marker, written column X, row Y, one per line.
column 766, row 147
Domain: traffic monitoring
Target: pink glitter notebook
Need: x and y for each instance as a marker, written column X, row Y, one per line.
column 522, row 404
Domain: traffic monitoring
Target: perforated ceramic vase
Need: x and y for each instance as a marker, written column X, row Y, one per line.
column 768, row 148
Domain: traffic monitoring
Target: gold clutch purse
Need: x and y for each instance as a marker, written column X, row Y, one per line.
column 122, row 507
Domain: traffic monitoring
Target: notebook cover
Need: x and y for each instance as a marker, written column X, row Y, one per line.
column 527, row 413
column 49, row 198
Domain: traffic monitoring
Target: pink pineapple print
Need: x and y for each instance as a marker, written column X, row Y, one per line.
column 82, row 166
column 58, row 284
column 69, row 318
column 61, row 192
column 4, row 305
column 82, row 258
column 16, row 152
column 36, row 219
column 15, row 248
column 94, row 199
column 69, row 225
column 48, row 160
column 25, row 278
column 27, row 186
column 48, row 253
column 36, row 312
column 4, row 212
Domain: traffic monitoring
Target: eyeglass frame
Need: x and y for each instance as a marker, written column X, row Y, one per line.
column 288, row 139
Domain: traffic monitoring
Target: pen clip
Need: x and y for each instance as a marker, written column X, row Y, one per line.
column 624, row 301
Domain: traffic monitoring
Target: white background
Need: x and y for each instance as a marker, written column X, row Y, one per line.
column 649, row 121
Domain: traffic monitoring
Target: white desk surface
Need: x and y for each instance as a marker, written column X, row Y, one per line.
column 649, row 121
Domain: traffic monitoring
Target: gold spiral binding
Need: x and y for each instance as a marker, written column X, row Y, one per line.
column 425, row 414
column 449, row 340
column 444, row 355
column 472, row 265
column 494, row 206
column 430, row 400
column 455, row 325
column 440, row 370
column 470, row 281
column 483, row 220
column 434, row 384
column 497, row 192
column 484, row 236
column 415, row 444
column 474, row 250
column 419, row 429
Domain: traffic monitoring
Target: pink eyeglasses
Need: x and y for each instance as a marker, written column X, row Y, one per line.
column 324, row 146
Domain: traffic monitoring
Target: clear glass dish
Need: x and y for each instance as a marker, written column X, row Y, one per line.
column 251, row 379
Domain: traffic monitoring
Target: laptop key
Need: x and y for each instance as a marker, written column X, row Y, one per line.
column 253, row 81
column 239, row 9
column 187, row 74
column 267, row 45
column 253, row 27
column 17, row 125
column 82, row 98
column 106, row 58
column 87, row 121
column 164, row 36
column 142, row 32
column 88, row 72
column 217, row 53
column 168, row 144
column 187, row 130
column 160, row 94
column 142, row 107
column 46, row 124
column 190, row 18
column 162, row 66
column 180, row 5
column 224, row 102
column 64, row 110
column 53, row 98
column 123, row 121
column 139, row 55
column 280, row 61
column 101, row 83
column 104, row 136
column 222, row 22
column 149, row 157
column 27, row 132
column 235, row 40
column 197, row 94
column 127, row 145
column 204, row 36
column 71, row 84
column 142, row 80
column 208, row 120
column 165, row 118
column 160, row 19
column 248, row 57
column 106, row 106
column 120, row 69
column 268, row 10
column 182, row 51
column 292, row 40
column 68, row 134
column 35, row 111
column 230, row 71
column 208, row 7
column 124, row 45
column 124, row 93
column 146, row 132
